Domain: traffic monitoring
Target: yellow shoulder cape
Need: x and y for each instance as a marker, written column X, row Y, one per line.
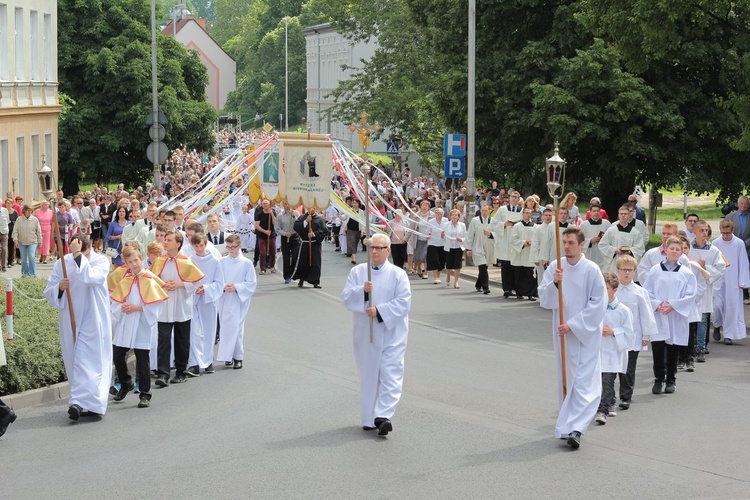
column 115, row 276
column 149, row 286
column 186, row 268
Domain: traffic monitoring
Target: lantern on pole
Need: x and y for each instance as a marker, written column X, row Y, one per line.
column 555, row 170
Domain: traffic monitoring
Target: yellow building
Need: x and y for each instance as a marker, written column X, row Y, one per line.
column 29, row 105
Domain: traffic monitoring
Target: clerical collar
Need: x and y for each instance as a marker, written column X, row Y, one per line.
column 527, row 224
column 625, row 229
column 631, row 223
column 595, row 222
column 613, row 305
column 563, row 224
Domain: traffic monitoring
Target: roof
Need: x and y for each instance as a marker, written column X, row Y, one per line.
column 202, row 25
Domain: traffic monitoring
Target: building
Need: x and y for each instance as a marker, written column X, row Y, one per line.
column 222, row 69
column 29, row 106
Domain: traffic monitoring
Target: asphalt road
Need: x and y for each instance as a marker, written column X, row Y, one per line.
column 476, row 419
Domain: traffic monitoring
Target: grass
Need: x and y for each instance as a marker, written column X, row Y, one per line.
column 676, row 214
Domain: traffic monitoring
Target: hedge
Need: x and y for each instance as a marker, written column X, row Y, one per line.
column 34, row 356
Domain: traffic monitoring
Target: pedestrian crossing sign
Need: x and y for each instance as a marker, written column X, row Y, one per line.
column 392, row 149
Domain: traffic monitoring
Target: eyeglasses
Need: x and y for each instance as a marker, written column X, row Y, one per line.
column 626, row 270
column 377, row 248
column 232, row 247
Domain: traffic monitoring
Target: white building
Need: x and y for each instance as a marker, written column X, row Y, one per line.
column 222, row 69
column 28, row 94
column 327, row 51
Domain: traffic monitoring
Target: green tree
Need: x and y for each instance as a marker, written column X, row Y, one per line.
column 104, row 66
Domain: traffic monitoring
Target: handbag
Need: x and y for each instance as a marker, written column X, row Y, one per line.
column 111, row 252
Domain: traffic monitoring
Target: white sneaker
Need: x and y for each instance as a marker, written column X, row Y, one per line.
column 601, row 418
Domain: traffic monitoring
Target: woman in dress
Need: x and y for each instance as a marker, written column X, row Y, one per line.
column 44, row 216
column 420, row 250
column 399, row 235
column 96, row 225
column 455, row 233
column 114, row 234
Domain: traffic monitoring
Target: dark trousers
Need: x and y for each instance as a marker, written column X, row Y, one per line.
column 398, row 252
column 508, row 276
column 142, row 369
column 289, row 250
column 608, row 391
column 523, row 277
column 483, row 278
column 181, row 346
column 267, row 252
column 627, row 379
column 665, row 360
column 687, row 352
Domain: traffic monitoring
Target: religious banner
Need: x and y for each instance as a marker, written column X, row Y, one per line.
column 306, row 167
column 270, row 179
column 254, row 190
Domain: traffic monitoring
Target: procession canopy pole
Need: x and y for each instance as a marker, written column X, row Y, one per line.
column 560, row 300
column 61, row 255
column 366, row 170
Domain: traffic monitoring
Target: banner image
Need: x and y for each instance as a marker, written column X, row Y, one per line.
column 306, row 173
column 270, row 179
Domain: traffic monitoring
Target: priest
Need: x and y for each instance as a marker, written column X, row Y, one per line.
column 312, row 230
column 479, row 244
column 88, row 358
column 239, row 278
column 521, row 259
column 729, row 312
column 594, row 228
column 585, row 302
column 380, row 362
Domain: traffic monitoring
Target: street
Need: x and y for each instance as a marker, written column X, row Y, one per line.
column 476, row 419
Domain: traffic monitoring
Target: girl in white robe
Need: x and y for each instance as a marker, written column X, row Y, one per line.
column 239, row 286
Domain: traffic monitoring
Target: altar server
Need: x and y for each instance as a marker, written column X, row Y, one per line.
column 620, row 239
column 521, row 259
column 729, row 312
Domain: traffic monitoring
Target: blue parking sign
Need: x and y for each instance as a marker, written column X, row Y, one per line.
column 455, row 167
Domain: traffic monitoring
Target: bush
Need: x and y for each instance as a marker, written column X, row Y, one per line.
column 34, row 356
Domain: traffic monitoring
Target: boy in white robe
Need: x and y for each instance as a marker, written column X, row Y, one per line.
column 205, row 307
column 239, row 285
column 521, row 261
column 729, row 312
column 617, row 338
column 658, row 254
column 88, row 359
column 584, row 296
column 548, row 245
column 620, row 239
column 380, row 363
column 637, row 300
column 502, row 225
column 540, row 232
column 672, row 288
column 136, row 303
column 594, row 228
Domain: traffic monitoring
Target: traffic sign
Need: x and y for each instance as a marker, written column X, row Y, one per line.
column 157, row 132
column 161, row 118
column 455, row 167
column 162, row 151
column 454, row 145
column 392, row 149
column 268, row 127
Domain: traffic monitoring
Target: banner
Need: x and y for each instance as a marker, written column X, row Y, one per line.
column 306, row 172
column 269, row 182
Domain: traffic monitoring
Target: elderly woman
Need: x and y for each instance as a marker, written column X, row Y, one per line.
column 455, row 233
column 27, row 233
column 44, row 215
column 399, row 235
column 420, row 248
column 435, row 243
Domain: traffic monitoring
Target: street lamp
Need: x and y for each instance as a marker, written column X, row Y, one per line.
column 47, row 183
column 555, row 170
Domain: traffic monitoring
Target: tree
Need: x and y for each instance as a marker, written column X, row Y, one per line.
column 104, row 59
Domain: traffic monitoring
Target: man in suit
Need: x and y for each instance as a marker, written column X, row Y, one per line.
column 741, row 220
column 215, row 235
column 640, row 214
column 106, row 212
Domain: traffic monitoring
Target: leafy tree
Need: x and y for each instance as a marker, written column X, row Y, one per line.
column 104, row 58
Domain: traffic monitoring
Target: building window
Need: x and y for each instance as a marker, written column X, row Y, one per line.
column 5, row 185
column 4, row 57
column 34, row 44
column 49, row 70
column 35, row 165
column 21, row 166
column 20, row 74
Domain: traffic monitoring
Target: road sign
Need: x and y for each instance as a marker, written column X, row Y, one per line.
column 392, row 149
column 157, row 132
column 161, row 119
column 455, row 167
column 162, row 151
column 268, row 127
column 454, row 145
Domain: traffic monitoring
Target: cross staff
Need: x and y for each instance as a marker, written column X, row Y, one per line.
column 366, row 170
column 61, row 253
column 364, row 129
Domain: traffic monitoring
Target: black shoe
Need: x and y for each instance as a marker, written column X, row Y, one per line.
column 574, row 440
column 124, row 390
column 144, row 403
column 317, row 286
column 193, row 371
column 6, row 420
column 162, row 381
column 658, row 387
column 519, row 297
column 368, row 428
column 670, row 388
column 506, row 295
column 228, row 363
column 479, row 290
column 624, row 404
column 384, row 426
column 179, row 379
column 74, row 412
column 238, row 364
column 210, row 369
column 113, row 390
column 717, row 334
column 486, row 292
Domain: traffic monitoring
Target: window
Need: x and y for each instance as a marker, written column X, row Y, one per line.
column 4, row 168
column 20, row 73
column 34, row 44
column 49, row 69
column 35, row 165
column 4, row 57
column 21, row 166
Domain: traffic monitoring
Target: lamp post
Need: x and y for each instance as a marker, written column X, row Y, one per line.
column 555, row 170
column 286, row 73
column 47, row 183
